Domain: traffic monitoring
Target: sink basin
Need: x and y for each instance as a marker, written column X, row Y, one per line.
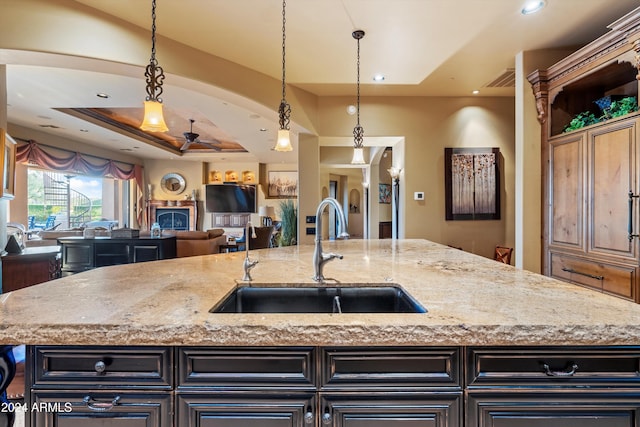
column 319, row 299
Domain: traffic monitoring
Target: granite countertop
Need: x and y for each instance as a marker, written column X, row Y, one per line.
column 470, row 301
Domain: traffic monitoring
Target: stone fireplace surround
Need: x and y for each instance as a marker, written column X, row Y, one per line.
column 180, row 215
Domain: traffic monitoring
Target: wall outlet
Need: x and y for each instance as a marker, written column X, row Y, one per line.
column 418, row 195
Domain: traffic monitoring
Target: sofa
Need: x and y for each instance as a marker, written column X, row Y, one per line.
column 193, row 243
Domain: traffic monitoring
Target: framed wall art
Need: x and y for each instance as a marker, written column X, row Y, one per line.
column 384, row 194
column 282, row 185
column 8, row 160
column 472, row 183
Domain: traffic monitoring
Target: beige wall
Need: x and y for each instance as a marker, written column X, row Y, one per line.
column 428, row 125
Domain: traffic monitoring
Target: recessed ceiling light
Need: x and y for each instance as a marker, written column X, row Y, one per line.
column 84, row 130
column 532, row 6
column 378, row 78
column 475, row 92
column 102, row 95
column 351, row 110
column 263, row 129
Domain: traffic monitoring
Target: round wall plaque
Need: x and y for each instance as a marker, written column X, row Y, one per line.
column 173, row 183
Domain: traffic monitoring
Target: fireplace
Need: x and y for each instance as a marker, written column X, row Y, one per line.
column 181, row 217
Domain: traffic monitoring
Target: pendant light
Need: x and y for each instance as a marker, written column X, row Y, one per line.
column 284, row 111
column 153, row 118
column 358, row 132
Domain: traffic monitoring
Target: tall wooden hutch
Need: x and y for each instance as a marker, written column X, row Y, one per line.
column 591, row 174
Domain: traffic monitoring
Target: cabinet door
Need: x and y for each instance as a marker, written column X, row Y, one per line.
column 69, row 409
column 583, row 409
column 566, row 213
column 612, row 166
column 145, row 252
column 111, row 254
column 216, row 410
column 77, row 257
column 443, row 409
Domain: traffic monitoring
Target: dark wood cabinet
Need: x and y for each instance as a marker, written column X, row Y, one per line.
column 80, row 254
column 421, row 410
column 553, row 386
column 102, row 409
column 334, row 386
column 242, row 410
column 100, row 386
column 580, row 409
column 30, row 267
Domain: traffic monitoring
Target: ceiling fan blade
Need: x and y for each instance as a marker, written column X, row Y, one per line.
column 186, row 145
column 210, row 145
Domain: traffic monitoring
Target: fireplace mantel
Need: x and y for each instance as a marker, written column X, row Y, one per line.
column 174, row 214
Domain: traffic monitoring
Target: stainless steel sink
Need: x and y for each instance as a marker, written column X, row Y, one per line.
column 319, row 299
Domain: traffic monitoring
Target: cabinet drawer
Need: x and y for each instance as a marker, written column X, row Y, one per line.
column 242, row 368
column 91, row 409
column 246, row 410
column 94, row 366
column 577, row 409
column 559, row 366
column 619, row 281
column 405, row 368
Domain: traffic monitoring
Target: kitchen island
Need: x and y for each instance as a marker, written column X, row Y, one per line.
column 496, row 344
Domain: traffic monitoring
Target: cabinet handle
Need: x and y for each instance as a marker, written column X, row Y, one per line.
column 593, row 276
column 100, row 367
column 551, row 373
column 94, row 405
column 308, row 418
column 630, row 225
column 326, row 417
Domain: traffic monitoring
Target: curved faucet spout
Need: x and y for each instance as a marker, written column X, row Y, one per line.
column 319, row 257
column 248, row 264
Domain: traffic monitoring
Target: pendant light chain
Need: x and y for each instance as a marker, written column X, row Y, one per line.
column 358, row 131
column 284, row 111
column 284, row 52
column 154, row 73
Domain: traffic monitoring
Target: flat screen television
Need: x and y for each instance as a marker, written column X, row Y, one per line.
column 230, row 198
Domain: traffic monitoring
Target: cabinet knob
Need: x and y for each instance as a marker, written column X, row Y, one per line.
column 100, row 367
column 308, row 418
column 326, row 418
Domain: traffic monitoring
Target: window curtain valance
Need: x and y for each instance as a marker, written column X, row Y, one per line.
column 59, row 159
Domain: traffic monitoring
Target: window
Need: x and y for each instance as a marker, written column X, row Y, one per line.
column 62, row 200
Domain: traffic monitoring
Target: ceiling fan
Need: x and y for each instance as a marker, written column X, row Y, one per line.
column 192, row 138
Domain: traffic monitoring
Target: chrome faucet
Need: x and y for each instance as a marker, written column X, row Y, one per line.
column 319, row 257
column 248, row 264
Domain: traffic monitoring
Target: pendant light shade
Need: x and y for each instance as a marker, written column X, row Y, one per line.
column 358, row 156
column 284, row 111
column 284, row 141
column 153, row 120
column 358, row 131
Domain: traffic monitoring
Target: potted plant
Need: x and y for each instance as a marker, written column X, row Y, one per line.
column 289, row 223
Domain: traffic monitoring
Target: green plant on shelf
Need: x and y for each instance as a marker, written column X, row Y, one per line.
column 616, row 108
column 586, row 118
column 621, row 107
